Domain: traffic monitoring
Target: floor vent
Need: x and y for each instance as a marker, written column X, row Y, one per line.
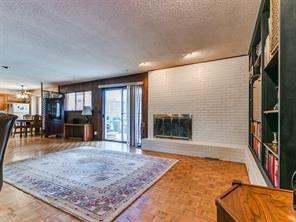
column 211, row 158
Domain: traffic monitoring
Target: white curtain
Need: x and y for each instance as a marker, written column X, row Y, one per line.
column 136, row 115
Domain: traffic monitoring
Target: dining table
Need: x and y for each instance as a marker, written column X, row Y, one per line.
column 24, row 124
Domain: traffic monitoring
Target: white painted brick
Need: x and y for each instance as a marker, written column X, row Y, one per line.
column 215, row 93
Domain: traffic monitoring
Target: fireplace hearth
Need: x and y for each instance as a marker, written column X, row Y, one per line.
column 173, row 126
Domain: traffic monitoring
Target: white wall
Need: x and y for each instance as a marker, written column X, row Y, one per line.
column 35, row 105
column 215, row 93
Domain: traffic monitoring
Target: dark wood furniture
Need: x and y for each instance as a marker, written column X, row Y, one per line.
column 37, row 124
column 28, row 126
column 87, row 131
column 23, row 126
column 273, row 77
column 6, row 124
column 54, row 116
column 245, row 203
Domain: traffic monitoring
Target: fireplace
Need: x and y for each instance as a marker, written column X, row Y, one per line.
column 173, row 126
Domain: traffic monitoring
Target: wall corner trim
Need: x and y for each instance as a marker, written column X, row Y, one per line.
column 254, row 173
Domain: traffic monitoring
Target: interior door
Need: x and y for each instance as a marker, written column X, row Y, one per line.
column 115, row 114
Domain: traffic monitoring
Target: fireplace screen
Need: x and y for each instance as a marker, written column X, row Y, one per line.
column 174, row 126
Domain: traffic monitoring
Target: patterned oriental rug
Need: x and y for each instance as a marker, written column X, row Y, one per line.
column 91, row 184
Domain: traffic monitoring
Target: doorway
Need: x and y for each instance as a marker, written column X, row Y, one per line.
column 122, row 114
column 115, row 122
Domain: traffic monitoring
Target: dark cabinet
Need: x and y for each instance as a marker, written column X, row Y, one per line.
column 54, row 116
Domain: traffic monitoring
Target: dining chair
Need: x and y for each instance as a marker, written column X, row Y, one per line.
column 28, row 126
column 27, row 117
column 6, row 124
column 22, row 128
column 16, row 129
column 37, row 124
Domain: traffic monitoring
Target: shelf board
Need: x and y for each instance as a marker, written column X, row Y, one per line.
column 257, row 121
column 255, row 77
column 256, row 137
column 257, row 62
column 271, row 148
column 275, row 111
column 273, row 62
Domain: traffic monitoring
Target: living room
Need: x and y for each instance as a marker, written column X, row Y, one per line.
column 147, row 110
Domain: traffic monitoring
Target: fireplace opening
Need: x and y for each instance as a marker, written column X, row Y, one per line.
column 174, row 126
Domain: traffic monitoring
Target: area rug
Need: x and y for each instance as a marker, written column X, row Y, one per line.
column 91, row 184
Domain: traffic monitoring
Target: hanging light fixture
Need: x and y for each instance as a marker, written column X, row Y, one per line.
column 22, row 94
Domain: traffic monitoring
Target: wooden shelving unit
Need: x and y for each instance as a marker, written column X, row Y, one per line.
column 272, row 87
column 256, row 137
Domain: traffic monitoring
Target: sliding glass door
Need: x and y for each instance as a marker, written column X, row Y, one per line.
column 115, row 122
column 122, row 114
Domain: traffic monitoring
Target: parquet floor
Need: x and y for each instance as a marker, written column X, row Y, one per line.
column 186, row 193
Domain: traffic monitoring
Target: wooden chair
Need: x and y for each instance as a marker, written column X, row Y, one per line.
column 29, row 126
column 6, row 124
column 16, row 129
column 20, row 128
column 27, row 117
column 37, row 125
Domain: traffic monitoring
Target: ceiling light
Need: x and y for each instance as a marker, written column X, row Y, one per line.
column 22, row 94
column 142, row 64
column 191, row 55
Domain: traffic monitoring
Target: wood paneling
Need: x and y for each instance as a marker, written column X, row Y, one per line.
column 145, row 106
column 97, row 98
column 185, row 193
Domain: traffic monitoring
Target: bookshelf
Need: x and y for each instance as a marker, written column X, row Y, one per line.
column 272, row 88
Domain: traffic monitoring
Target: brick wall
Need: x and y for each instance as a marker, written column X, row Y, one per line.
column 215, row 93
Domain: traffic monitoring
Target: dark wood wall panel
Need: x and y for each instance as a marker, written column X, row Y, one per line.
column 97, row 99
column 145, row 106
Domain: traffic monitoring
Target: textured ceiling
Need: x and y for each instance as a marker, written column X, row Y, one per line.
column 61, row 41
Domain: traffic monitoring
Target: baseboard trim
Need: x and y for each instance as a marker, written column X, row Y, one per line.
column 226, row 152
column 217, row 151
column 254, row 173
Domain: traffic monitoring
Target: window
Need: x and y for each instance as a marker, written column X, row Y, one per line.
column 87, row 98
column 76, row 101
column 70, row 101
column 79, row 100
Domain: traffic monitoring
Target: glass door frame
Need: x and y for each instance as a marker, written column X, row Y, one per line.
column 122, row 88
